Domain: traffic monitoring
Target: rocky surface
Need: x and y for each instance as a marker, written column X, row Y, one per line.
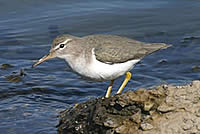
column 166, row 109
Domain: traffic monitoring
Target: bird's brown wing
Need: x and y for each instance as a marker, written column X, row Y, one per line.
column 116, row 49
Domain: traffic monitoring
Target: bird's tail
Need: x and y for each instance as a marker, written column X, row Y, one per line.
column 161, row 45
column 155, row 47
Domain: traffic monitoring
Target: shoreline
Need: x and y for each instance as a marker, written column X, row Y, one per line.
column 160, row 110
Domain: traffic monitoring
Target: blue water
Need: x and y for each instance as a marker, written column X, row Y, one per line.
column 28, row 27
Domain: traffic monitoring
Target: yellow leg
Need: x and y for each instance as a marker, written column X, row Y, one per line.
column 109, row 89
column 128, row 77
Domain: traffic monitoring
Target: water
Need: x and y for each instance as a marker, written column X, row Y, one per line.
column 28, row 27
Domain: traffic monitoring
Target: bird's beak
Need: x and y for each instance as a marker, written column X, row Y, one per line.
column 46, row 57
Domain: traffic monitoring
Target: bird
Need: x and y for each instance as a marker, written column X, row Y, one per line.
column 101, row 57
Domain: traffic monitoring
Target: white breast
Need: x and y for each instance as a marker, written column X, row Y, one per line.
column 100, row 71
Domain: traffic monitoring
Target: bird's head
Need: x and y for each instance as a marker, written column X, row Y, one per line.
column 60, row 48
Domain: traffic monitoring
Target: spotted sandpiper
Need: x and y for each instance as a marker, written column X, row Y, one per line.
column 101, row 57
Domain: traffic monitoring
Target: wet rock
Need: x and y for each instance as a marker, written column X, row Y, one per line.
column 195, row 68
column 162, row 61
column 163, row 109
column 6, row 66
column 189, row 38
column 16, row 76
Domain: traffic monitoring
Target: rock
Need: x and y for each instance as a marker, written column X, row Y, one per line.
column 111, row 122
column 188, row 124
column 163, row 109
column 146, row 126
column 136, row 117
column 16, row 76
column 196, row 84
column 162, row 61
column 195, row 68
column 121, row 129
column 6, row 66
column 148, row 106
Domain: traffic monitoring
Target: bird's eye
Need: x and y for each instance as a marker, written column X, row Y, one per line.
column 62, row 45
